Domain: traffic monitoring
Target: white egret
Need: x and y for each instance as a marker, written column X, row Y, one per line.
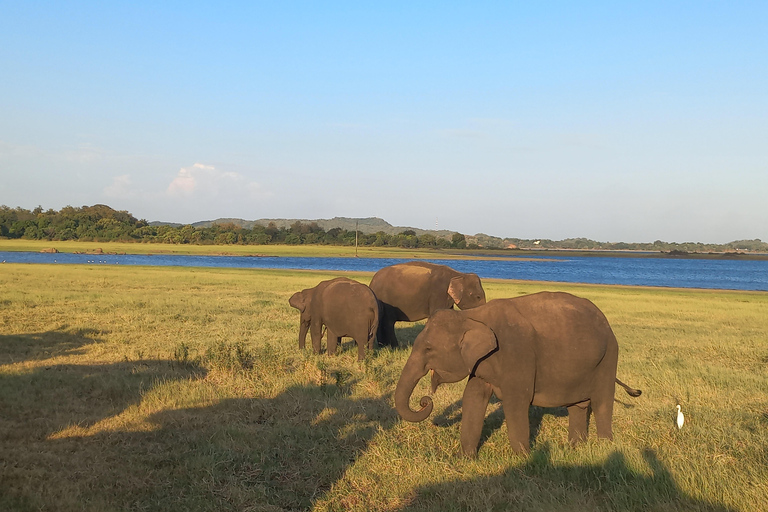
column 680, row 418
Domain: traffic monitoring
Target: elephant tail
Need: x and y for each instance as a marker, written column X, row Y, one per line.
column 630, row 391
column 373, row 321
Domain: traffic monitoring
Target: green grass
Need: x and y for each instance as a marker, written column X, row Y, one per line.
column 328, row 251
column 147, row 388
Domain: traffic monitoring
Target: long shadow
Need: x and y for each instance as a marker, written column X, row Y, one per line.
column 451, row 415
column 17, row 348
column 541, row 485
column 50, row 398
column 279, row 453
column 38, row 404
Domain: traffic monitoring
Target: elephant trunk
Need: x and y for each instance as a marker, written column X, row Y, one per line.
column 413, row 371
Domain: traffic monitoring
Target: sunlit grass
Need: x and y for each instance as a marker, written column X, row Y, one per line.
column 148, row 388
column 327, row 251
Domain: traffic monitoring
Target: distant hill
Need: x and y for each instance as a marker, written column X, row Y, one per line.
column 370, row 225
column 366, row 225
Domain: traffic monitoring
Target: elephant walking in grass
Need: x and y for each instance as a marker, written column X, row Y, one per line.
column 545, row 349
column 345, row 307
column 414, row 290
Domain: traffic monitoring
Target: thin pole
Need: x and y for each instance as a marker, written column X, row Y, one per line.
column 356, row 239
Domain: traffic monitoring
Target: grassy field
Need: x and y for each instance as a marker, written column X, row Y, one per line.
column 150, row 388
column 327, row 251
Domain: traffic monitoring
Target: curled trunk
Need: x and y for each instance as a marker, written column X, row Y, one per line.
column 413, row 371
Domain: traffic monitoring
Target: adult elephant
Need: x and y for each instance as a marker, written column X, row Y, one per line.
column 413, row 291
column 545, row 349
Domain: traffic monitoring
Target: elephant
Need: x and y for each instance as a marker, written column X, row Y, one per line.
column 414, row 290
column 549, row 349
column 345, row 307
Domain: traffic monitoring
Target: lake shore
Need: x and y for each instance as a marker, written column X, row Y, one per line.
column 335, row 251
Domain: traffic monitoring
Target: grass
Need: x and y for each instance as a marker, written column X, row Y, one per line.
column 327, row 251
column 149, row 388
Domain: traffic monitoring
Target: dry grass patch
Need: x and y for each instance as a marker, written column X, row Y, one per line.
column 146, row 388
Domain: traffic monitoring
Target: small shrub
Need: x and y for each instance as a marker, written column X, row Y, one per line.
column 230, row 357
column 181, row 354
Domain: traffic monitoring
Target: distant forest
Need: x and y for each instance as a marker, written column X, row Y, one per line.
column 101, row 223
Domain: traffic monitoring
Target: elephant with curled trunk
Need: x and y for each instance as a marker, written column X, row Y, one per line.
column 414, row 290
column 345, row 307
column 546, row 349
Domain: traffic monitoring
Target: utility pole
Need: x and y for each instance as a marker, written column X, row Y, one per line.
column 356, row 222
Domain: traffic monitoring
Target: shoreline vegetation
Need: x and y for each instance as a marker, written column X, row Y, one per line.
column 170, row 388
column 104, row 225
column 335, row 251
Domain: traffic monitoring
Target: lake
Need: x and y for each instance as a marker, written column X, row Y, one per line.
column 678, row 273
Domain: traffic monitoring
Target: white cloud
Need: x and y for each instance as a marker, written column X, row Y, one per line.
column 120, row 187
column 206, row 181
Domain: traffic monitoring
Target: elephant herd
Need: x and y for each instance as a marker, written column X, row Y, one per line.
column 545, row 349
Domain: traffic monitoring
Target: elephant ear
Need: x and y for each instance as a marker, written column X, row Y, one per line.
column 478, row 343
column 299, row 301
column 456, row 289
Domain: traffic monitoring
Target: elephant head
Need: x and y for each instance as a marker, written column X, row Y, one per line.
column 467, row 291
column 451, row 345
column 301, row 300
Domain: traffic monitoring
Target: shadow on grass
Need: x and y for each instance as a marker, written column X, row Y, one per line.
column 407, row 335
column 36, row 404
column 17, row 348
column 493, row 421
column 539, row 485
column 47, row 399
column 239, row 454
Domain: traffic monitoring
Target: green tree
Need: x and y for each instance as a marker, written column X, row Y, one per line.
column 458, row 241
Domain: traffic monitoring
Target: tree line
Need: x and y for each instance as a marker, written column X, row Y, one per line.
column 100, row 223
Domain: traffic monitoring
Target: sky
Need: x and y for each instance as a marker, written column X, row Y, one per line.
column 615, row 121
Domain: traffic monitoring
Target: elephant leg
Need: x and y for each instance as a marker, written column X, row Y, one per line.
column 303, row 328
column 518, row 429
column 360, row 349
column 473, row 406
column 386, row 329
column 333, row 342
column 602, row 408
column 316, row 332
column 578, row 421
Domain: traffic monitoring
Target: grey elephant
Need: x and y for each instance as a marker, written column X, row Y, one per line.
column 414, row 290
column 545, row 349
column 345, row 307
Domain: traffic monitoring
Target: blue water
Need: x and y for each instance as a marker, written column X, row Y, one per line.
column 679, row 273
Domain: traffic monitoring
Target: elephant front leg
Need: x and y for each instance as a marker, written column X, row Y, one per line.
column 578, row 422
column 316, row 332
column 303, row 328
column 518, row 429
column 385, row 334
column 473, row 406
column 333, row 342
column 361, row 350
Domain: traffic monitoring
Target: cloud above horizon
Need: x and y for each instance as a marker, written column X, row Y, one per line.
column 120, row 187
column 206, row 180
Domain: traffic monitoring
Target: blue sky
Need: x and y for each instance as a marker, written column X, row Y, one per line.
column 615, row 121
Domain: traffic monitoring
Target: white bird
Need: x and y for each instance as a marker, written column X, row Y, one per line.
column 680, row 418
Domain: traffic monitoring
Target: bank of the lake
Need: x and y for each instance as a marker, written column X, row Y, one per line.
column 670, row 273
column 337, row 251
